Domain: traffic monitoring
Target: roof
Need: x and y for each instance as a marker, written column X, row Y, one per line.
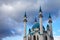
column 36, row 25
column 40, row 10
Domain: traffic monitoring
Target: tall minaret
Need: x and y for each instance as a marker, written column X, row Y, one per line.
column 40, row 21
column 25, row 22
column 50, row 25
column 41, row 25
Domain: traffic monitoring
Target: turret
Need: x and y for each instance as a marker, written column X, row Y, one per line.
column 49, row 28
column 25, row 18
column 40, row 21
column 50, row 19
column 25, row 22
column 41, row 25
column 50, row 24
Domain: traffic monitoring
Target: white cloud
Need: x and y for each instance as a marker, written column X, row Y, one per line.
column 14, row 8
column 56, row 37
column 19, row 5
column 13, row 38
column 6, row 8
column 54, row 33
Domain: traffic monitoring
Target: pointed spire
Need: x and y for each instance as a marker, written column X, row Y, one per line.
column 25, row 18
column 25, row 15
column 35, row 19
column 40, row 9
column 47, row 27
column 40, row 12
column 49, row 15
column 50, row 20
column 29, row 30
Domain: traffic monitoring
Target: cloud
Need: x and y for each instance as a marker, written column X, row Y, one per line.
column 57, row 38
column 14, row 1
column 13, row 38
column 18, row 8
column 8, row 13
column 8, row 27
column 12, row 12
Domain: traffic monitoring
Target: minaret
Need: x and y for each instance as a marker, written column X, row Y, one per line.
column 41, row 25
column 40, row 21
column 50, row 25
column 25, row 22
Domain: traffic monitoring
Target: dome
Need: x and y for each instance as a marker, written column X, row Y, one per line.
column 36, row 25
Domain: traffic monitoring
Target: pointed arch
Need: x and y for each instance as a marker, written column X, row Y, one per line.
column 37, row 37
column 45, row 37
column 34, row 37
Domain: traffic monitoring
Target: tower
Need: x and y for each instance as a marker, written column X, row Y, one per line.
column 25, row 22
column 40, row 22
column 50, row 24
column 49, row 29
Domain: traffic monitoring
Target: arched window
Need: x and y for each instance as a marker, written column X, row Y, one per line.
column 28, row 38
column 37, row 38
column 45, row 37
column 34, row 38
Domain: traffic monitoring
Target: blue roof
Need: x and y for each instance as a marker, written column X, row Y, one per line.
column 36, row 25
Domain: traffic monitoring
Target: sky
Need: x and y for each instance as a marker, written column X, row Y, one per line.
column 12, row 13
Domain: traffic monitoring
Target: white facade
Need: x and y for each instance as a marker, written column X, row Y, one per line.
column 38, row 32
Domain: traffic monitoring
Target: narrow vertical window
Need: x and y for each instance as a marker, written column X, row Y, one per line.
column 37, row 38
column 45, row 37
column 34, row 38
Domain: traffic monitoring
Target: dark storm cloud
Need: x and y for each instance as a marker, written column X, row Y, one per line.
column 13, row 20
column 5, row 32
column 48, row 6
column 52, row 7
column 8, row 26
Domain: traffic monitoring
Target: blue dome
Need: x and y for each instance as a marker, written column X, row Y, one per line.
column 36, row 25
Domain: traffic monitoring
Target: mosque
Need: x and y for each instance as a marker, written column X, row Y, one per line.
column 38, row 32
